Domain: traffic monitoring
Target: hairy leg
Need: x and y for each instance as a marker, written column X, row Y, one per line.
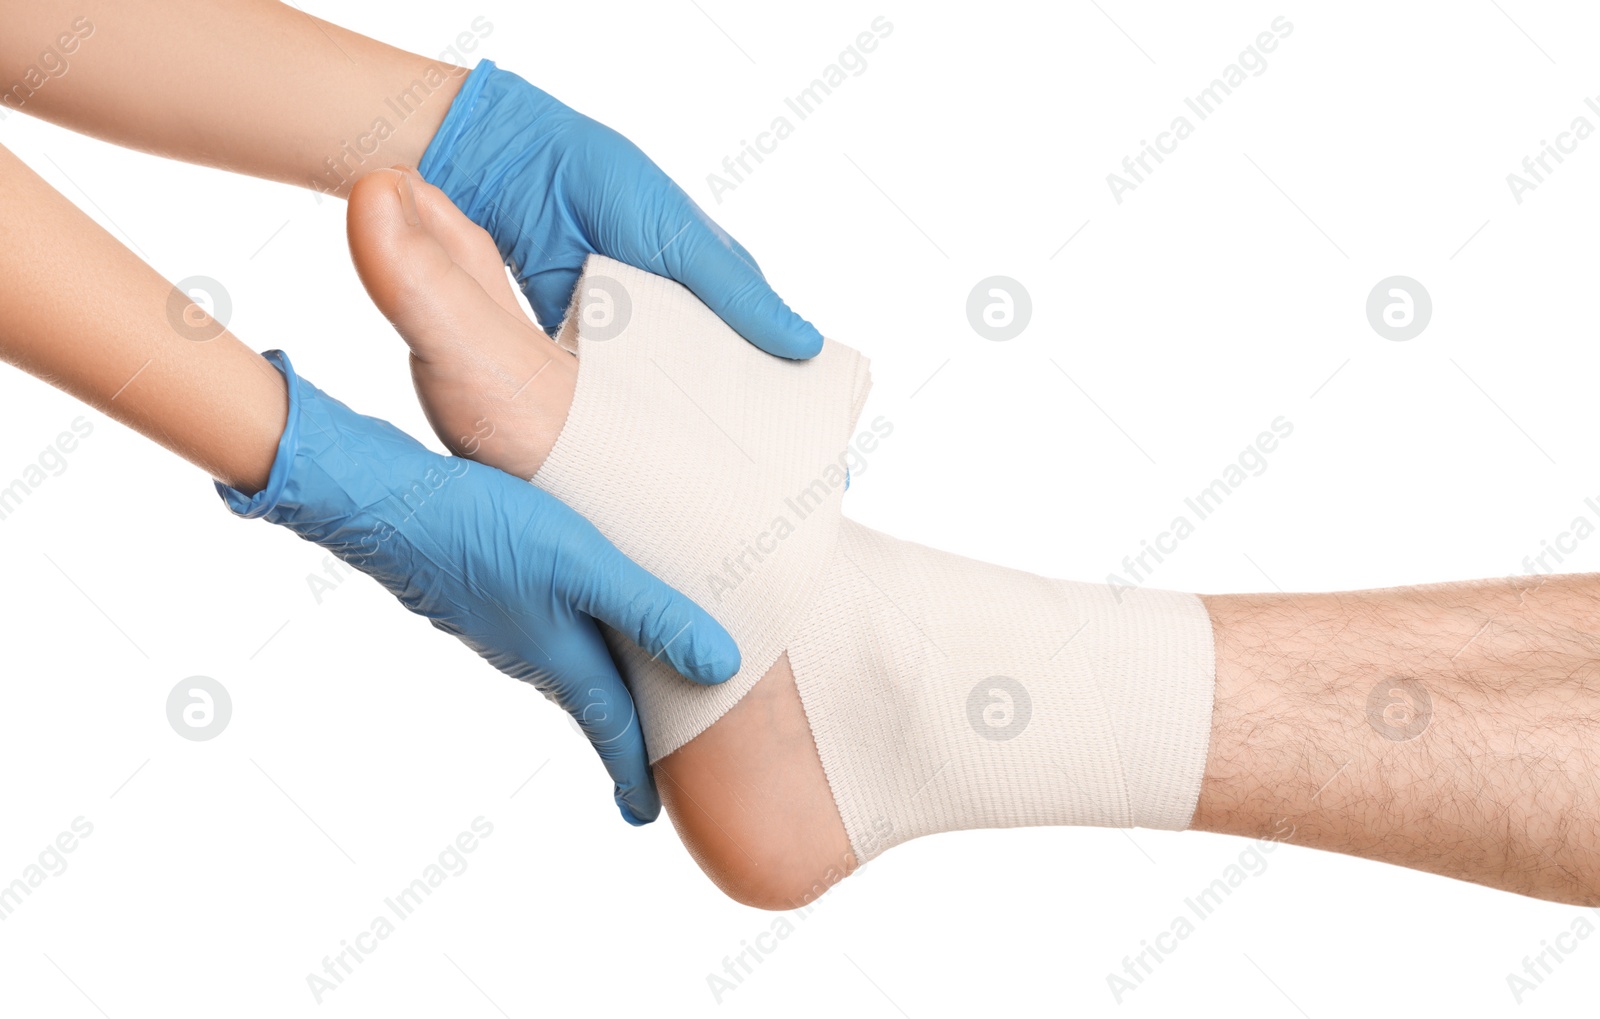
column 1453, row 728
column 1449, row 728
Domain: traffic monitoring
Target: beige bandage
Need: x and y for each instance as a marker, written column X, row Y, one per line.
column 942, row 693
column 711, row 463
column 946, row 693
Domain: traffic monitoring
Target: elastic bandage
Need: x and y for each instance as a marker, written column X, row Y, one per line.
column 943, row 693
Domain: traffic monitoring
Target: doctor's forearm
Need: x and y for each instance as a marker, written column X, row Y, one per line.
column 82, row 312
column 252, row 86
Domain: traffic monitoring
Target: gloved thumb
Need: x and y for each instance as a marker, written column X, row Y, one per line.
column 709, row 263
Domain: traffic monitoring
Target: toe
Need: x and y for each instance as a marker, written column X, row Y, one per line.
column 467, row 243
column 401, row 241
column 396, row 256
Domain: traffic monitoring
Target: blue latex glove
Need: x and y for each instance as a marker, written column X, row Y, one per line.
column 513, row 572
column 552, row 186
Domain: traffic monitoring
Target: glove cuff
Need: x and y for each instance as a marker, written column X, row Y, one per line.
column 340, row 478
column 435, row 164
column 264, row 501
column 498, row 126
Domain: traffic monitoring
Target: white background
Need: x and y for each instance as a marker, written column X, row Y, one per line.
column 1225, row 291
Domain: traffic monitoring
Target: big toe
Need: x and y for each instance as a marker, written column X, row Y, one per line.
column 428, row 268
column 400, row 262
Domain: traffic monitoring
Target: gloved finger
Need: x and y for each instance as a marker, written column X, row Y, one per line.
column 602, row 582
column 744, row 254
column 725, row 237
column 587, row 686
column 734, row 288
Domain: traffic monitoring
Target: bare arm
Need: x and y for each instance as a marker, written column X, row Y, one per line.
column 252, row 86
column 85, row 314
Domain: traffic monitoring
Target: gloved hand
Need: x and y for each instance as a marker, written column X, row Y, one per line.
column 552, row 186
column 513, row 572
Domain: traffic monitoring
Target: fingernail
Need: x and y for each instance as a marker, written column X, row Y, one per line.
column 408, row 200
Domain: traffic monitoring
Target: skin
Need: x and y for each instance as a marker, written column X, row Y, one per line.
column 748, row 796
column 251, row 86
column 1498, row 787
column 261, row 88
column 215, row 402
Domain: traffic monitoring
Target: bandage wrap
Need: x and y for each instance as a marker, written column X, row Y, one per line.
column 714, row 465
column 945, row 693
column 942, row 693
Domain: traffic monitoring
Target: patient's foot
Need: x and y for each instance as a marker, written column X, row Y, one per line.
column 494, row 387
column 752, row 804
column 748, row 796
